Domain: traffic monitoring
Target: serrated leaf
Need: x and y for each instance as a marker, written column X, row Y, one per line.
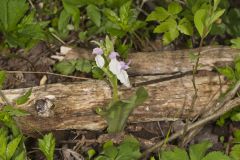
column 185, row 27
column 12, row 146
column 23, row 99
column 200, row 21
column 97, row 73
column 111, row 15
column 47, row 146
column 216, row 155
column 94, row 14
column 159, row 14
column 83, row 65
column 198, row 151
column 174, row 8
column 65, row 67
column 2, row 78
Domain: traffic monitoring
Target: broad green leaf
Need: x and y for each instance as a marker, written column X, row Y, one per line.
column 124, row 12
column 235, row 152
column 174, row 8
column 65, row 67
column 176, row 154
column 74, row 11
column 236, row 43
column 159, row 14
column 237, row 67
column 63, row 21
column 2, row 78
column 200, row 21
column 109, row 150
column 15, row 111
column 232, row 22
column 11, row 12
column 129, row 149
column 165, row 26
column 83, row 65
column 94, row 14
column 198, row 151
column 97, row 73
column 216, row 15
column 216, row 156
column 3, row 140
column 215, row 4
column 12, row 146
column 23, row 99
column 111, row 15
column 185, row 27
column 47, row 146
column 227, row 72
column 21, row 156
column 118, row 112
column 170, row 36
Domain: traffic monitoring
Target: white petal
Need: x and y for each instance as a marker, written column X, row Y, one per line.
column 115, row 66
column 99, row 61
column 123, row 77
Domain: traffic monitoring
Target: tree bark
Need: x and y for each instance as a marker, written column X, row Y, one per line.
column 166, row 76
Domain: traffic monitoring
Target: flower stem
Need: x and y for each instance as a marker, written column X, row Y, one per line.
column 114, row 84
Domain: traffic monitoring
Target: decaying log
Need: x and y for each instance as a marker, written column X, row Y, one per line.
column 166, row 76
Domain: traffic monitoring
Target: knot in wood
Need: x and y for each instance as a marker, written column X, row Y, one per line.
column 44, row 107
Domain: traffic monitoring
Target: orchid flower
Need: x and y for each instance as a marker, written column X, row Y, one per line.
column 118, row 69
column 99, row 59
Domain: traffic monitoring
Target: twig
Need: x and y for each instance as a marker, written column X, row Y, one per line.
column 226, row 107
column 49, row 73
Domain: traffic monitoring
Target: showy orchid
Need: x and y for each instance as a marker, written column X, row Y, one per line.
column 99, row 59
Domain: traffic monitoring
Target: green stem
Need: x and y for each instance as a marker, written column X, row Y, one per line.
column 114, row 84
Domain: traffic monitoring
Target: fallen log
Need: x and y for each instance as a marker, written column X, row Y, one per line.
column 165, row 75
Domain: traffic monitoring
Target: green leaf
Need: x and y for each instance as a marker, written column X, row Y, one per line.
column 198, row 151
column 111, row 15
column 129, row 149
column 117, row 113
column 23, row 99
column 124, row 12
column 74, row 11
column 227, row 72
column 235, row 152
column 236, row 43
column 3, row 140
column 21, row 156
column 236, row 134
column 159, row 14
column 91, row 153
column 47, row 146
column 97, row 73
column 176, row 154
column 15, row 111
column 185, row 27
column 170, row 36
column 11, row 12
column 216, row 15
column 12, row 146
column 83, row 65
column 2, row 78
column 235, row 117
column 200, row 21
column 63, row 21
column 168, row 25
column 94, row 14
column 174, row 8
column 65, row 67
column 109, row 150
column 216, row 155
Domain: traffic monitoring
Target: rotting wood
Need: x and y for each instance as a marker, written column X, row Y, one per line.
column 166, row 76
